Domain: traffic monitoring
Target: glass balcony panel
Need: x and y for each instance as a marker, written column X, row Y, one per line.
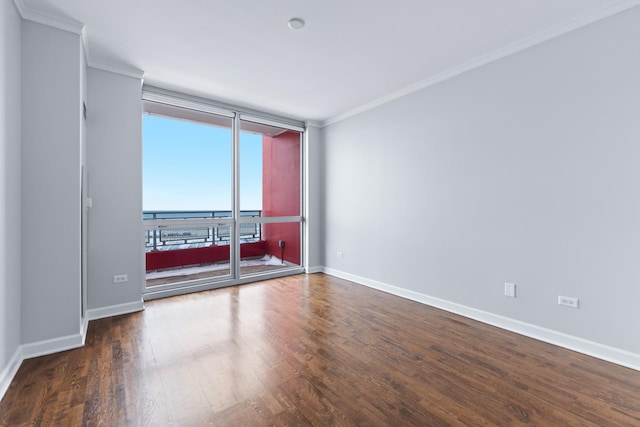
column 186, row 253
column 278, row 247
column 187, row 177
column 269, row 170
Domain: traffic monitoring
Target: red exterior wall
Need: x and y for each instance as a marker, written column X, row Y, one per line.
column 184, row 257
column 281, row 193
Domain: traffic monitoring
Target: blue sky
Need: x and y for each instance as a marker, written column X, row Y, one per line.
column 187, row 166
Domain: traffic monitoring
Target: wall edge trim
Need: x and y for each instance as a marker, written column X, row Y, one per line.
column 314, row 123
column 570, row 342
column 55, row 345
column 122, row 70
column 511, row 49
column 48, row 19
column 115, row 310
column 50, row 346
column 10, row 371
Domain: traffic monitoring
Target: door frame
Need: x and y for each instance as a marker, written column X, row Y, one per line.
column 170, row 101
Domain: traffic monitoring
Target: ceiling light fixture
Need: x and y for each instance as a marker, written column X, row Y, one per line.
column 296, row 23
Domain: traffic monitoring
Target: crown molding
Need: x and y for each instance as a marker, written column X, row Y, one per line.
column 54, row 22
column 525, row 43
column 19, row 7
column 48, row 19
column 76, row 28
column 123, row 70
column 314, row 123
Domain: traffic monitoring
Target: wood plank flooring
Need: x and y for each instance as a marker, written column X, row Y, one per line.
column 313, row 350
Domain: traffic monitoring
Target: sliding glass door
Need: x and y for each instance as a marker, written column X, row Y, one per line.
column 187, row 198
column 221, row 197
column 270, row 177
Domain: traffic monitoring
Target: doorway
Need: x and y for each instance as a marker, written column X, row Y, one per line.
column 222, row 197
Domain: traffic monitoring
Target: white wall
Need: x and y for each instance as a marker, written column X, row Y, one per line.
column 10, row 131
column 51, row 117
column 114, row 159
column 525, row 170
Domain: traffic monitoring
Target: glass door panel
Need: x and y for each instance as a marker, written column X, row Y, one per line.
column 187, row 195
column 187, row 252
column 270, row 183
column 278, row 248
column 221, row 196
column 270, row 169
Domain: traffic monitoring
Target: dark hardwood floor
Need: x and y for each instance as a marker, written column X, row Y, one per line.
column 314, row 350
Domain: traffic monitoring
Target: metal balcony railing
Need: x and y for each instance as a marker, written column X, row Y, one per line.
column 181, row 237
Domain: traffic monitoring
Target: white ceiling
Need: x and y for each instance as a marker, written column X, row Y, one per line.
column 352, row 53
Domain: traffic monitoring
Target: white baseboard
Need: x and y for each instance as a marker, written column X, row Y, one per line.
column 10, row 371
column 83, row 327
column 41, row 348
column 114, row 310
column 54, row 345
column 316, row 269
column 590, row 348
column 35, row 349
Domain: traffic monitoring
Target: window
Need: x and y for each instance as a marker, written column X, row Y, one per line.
column 222, row 195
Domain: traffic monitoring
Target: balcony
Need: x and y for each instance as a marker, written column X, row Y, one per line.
column 191, row 164
column 192, row 245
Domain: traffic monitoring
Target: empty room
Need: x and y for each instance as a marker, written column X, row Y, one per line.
column 297, row 213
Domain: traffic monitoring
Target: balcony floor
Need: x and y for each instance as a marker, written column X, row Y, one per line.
column 247, row 266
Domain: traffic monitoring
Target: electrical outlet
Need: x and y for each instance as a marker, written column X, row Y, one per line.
column 510, row 290
column 339, row 254
column 568, row 301
column 121, row 278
